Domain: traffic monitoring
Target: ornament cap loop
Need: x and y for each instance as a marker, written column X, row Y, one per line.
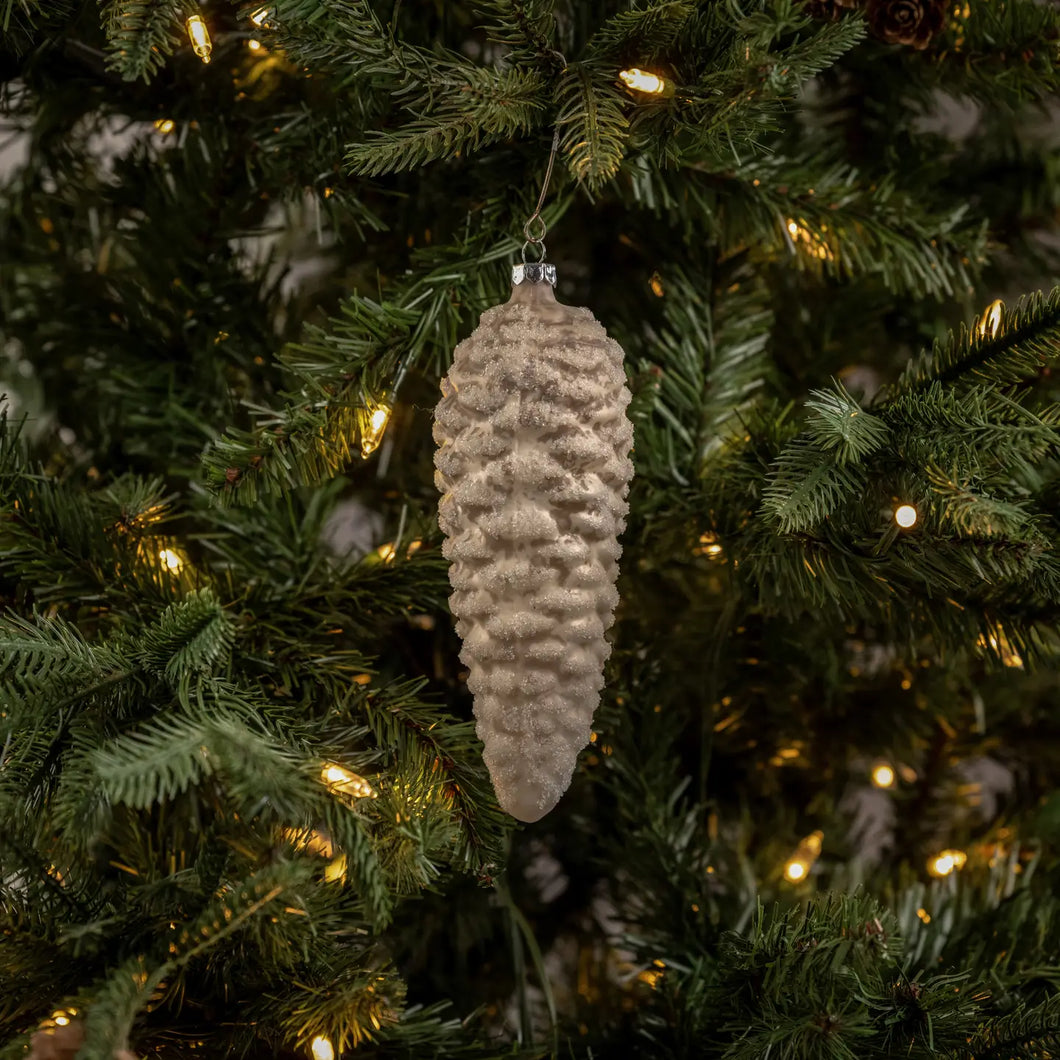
column 534, row 272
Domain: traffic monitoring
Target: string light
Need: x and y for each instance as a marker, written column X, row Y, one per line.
column 342, row 780
column 310, row 840
column 165, row 126
column 643, row 81
column 255, row 45
column 883, row 775
column 171, row 559
column 335, row 871
column 387, row 552
column 200, row 37
column 905, row 516
column 709, row 546
column 990, row 320
column 321, row 1048
column 1001, row 647
column 943, row 863
column 372, row 433
column 806, row 853
column 259, row 17
column 813, row 243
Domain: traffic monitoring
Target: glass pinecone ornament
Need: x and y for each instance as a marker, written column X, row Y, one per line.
column 533, row 465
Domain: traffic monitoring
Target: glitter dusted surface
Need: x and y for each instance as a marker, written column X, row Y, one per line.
column 533, row 468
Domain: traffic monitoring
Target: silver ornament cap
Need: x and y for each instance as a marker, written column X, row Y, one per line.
column 534, row 272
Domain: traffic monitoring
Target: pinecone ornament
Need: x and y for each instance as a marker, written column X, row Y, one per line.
column 911, row 22
column 533, row 465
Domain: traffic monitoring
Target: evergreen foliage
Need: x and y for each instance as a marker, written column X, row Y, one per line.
column 243, row 802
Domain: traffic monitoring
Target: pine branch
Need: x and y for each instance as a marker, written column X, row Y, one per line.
column 190, row 637
column 647, row 33
column 476, row 107
column 593, row 123
column 159, row 760
column 526, row 27
column 976, row 427
column 982, row 42
column 351, row 364
column 1014, row 350
column 350, row 34
column 1032, row 1032
column 142, row 34
column 825, row 220
column 349, row 1006
column 818, row 471
column 115, row 1005
column 742, row 365
column 974, row 513
column 838, row 425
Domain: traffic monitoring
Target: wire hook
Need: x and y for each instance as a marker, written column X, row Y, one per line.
column 535, row 228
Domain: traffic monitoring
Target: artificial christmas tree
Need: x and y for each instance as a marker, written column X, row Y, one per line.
column 244, row 809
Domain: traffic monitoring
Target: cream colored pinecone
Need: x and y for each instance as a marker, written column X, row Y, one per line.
column 534, row 469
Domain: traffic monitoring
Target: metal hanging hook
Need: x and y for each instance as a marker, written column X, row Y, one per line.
column 535, row 228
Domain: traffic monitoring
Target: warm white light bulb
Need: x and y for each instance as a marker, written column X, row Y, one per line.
column 943, row 863
column 258, row 17
column 171, row 559
column 795, row 870
column 339, row 779
column 990, row 320
column 165, row 125
column 883, row 776
column 200, row 37
column 255, row 45
column 372, row 434
column 643, row 81
column 322, row 1048
column 905, row 516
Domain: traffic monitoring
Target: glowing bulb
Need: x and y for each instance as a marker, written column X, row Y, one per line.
column 165, row 125
column 883, row 776
column 321, row 1048
column 709, row 545
column 990, row 321
column 793, row 228
column 905, row 516
column 643, row 81
column 255, row 45
column 372, row 435
column 339, row 779
column 944, row 863
column 806, row 853
column 335, row 871
column 61, row 1021
column 258, row 17
column 171, row 559
column 200, row 37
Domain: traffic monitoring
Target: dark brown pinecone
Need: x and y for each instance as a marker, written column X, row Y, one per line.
column 830, row 9
column 912, row 22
